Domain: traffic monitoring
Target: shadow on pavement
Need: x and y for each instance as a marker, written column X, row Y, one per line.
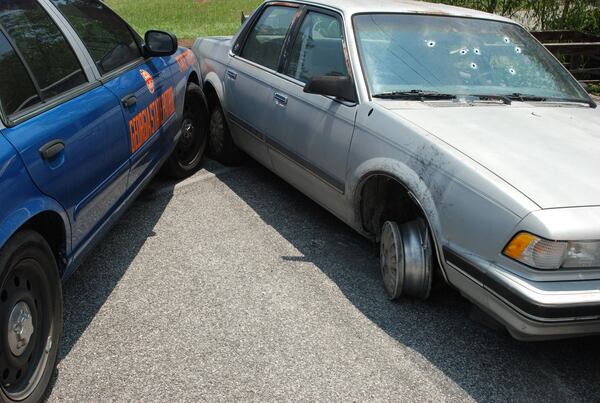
column 93, row 282
column 86, row 291
column 486, row 363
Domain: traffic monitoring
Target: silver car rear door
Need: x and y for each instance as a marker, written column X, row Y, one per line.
column 249, row 94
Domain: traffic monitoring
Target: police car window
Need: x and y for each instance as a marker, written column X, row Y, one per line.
column 105, row 35
column 318, row 49
column 42, row 45
column 265, row 41
column 17, row 92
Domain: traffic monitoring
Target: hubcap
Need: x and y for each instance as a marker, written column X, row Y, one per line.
column 26, row 318
column 189, row 149
column 188, row 129
column 20, row 328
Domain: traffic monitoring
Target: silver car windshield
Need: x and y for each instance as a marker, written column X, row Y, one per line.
column 424, row 54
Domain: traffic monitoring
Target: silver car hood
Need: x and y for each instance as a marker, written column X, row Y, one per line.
column 549, row 153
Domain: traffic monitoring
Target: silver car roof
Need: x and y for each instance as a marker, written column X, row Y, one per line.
column 351, row 7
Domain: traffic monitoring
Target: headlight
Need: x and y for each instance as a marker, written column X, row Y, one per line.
column 582, row 254
column 551, row 255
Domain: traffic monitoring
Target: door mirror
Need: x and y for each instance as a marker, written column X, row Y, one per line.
column 160, row 43
column 335, row 86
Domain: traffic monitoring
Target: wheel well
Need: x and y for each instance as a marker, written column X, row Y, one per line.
column 383, row 199
column 50, row 226
column 211, row 95
column 194, row 78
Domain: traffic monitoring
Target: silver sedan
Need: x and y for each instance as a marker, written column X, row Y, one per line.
column 449, row 136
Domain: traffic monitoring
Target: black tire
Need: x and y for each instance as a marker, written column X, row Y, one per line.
column 189, row 152
column 221, row 145
column 31, row 315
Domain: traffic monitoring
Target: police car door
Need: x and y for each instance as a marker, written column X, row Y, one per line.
column 142, row 85
column 68, row 129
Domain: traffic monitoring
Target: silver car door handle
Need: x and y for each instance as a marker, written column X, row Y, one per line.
column 281, row 99
column 231, row 74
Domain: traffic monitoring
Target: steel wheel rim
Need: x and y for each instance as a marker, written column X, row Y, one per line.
column 188, row 149
column 391, row 255
column 25, row 283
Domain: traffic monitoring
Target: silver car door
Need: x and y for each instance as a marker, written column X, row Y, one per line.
column 310, row 136
column 248, row 80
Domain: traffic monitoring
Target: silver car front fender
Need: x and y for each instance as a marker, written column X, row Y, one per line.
column 405, row 176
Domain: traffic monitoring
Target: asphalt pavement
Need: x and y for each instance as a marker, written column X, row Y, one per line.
column 233, row 286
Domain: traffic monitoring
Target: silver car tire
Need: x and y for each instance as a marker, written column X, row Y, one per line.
column 406, row 259
column 221, row 145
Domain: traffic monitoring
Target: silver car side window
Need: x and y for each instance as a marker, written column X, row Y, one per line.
column 266, row 39
column 318, row 49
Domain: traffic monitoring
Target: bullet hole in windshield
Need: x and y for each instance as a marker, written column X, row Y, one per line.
column 512, row 71
column 518, row 50
column 431, row 44
column 474, row 66
column 506, row 39
column 464, row 51
column 477, row 51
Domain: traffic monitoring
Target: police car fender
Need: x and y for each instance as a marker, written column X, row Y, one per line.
column 16, row 211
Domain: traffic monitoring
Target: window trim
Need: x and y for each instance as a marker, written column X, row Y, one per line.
column 36, row 110
column 28, row 71
column 47, row 103
column 121, row 70
column 243, row 38
column 90, row 70
column 285, row 62
column 306, row 8
column 72, row 37
column 90, row 59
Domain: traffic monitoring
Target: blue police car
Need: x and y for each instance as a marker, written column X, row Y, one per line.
column 90, row 112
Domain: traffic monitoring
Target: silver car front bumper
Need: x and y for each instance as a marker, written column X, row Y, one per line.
column 530, row 310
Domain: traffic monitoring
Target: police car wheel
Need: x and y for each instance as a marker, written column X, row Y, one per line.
column 189, row 152
column 221, row 145
column 30, row 317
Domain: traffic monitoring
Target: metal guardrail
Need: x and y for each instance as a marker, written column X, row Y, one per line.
column 579, row 52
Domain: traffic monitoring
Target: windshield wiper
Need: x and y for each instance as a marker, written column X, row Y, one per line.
column 534, row 98
column 424, row 95
column 418, row 95
column 517, row 96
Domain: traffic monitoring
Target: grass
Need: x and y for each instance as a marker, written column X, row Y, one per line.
column 188, row 19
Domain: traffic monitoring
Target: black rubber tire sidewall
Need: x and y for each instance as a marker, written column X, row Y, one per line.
column 28, row 244
column 229, row 154
column 199, row 112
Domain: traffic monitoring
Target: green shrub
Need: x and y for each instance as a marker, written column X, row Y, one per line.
column 579, row 15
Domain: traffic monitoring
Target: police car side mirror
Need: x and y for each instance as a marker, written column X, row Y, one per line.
column 159, row 43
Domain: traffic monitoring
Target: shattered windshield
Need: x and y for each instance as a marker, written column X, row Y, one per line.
column 404, row 53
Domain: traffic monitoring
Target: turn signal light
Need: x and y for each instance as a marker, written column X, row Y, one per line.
column 536, row 252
